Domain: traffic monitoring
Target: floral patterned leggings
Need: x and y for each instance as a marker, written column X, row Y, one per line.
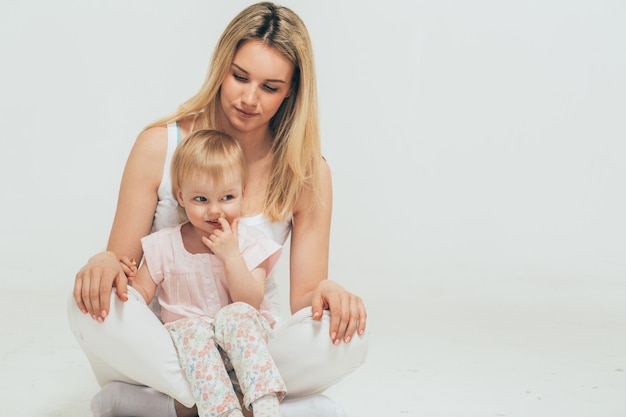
column 228, row 352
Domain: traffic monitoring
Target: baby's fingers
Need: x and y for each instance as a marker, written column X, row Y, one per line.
column 129, row 266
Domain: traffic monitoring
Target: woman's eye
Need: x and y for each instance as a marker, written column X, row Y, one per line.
column 239, row 77
column 270, row 88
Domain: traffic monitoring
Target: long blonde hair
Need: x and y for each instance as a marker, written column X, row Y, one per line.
column 296, row 153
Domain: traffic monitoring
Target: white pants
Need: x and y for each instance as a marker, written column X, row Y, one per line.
column 133, row 346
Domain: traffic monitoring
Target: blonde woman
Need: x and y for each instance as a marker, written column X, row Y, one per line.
column 261, row 90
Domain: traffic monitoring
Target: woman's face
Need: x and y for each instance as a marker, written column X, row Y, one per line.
column 258, row 81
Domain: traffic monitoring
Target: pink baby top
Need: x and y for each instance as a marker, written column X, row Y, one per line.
column 195, row 284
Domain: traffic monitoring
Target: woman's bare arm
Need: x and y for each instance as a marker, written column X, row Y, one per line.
column 310, row 241
column 133, row 219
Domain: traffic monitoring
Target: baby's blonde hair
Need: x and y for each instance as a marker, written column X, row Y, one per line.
column 206, row 152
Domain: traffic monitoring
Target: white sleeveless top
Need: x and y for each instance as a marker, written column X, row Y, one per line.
column 166, row 214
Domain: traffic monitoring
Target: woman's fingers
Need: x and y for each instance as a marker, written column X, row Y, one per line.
column 347, row 311
column 94, row 281
column 351, row 319
column 78, row 294
column 338, row 317
column 318, row 305
column 347, row 316
column 362, row 317
column 355, row 315
column 92, row 289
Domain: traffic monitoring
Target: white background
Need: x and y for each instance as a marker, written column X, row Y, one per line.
column 482, row 136
column 477, row 149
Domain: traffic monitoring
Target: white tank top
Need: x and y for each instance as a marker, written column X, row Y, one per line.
column 166, row 214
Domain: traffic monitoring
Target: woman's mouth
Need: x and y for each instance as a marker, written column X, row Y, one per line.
column 244, row 113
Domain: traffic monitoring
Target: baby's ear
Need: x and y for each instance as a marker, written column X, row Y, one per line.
column 179, row 197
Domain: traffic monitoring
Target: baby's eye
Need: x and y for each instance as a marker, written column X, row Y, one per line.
column 200, row 199
column 228, row 197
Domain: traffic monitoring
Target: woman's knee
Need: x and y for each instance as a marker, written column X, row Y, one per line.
column 302, row 346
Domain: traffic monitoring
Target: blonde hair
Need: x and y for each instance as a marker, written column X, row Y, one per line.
column 296, row 153
column 206, row 152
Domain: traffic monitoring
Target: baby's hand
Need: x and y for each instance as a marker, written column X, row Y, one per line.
column 129, row 266
column 224, row 243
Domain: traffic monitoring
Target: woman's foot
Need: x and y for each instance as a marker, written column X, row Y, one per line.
column 118, row 399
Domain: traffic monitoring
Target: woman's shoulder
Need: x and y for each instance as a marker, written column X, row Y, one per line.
column 147, row 157
column 152, row 137
column 324, row 170
column 151, row 146
column 186, row 125
column 312, row 195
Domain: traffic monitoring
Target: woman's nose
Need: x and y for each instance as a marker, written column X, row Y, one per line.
column 248, row 95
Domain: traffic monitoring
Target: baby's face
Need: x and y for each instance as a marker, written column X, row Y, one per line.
column 205, row 200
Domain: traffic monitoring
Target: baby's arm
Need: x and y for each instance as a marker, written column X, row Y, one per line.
column 144, row 284
column 244, row 285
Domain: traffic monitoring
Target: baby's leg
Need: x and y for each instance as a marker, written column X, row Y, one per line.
column 200, row 359
column 242, row 332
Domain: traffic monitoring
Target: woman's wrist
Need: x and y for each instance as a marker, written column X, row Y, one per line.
column 101, row 255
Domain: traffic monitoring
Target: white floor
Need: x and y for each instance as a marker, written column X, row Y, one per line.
column 436, row 350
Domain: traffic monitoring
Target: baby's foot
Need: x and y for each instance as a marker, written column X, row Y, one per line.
column 311, row 406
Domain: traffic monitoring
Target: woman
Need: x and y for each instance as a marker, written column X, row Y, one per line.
column 261, row 90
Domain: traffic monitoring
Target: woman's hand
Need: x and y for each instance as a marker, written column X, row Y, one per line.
column 347, row 311
column 93, row 284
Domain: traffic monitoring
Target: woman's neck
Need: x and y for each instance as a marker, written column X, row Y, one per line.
column 256, row 144
column 256, row 150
